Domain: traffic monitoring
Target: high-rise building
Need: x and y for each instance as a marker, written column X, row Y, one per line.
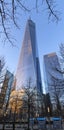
column 28, row 66
column 0, row 65
column 6, row 79
column 52, row 75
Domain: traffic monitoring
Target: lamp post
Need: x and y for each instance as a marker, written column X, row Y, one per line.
column 4, row 120
column 48, row 109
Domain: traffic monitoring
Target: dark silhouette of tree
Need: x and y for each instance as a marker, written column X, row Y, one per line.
column 47, row 104
column 23, row 104
column 57, row 90
column 55, row 82
column 30, row 104
column 10, row 10
column 2, row 63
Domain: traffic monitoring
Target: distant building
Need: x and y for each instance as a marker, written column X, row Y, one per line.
column 28, row 66
column 52, row 74
column 6, row 79
column 0, row 65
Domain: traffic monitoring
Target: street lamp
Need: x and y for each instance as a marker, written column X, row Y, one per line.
column 48, row 109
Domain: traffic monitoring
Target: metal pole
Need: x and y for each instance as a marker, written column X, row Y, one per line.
column 49, row 117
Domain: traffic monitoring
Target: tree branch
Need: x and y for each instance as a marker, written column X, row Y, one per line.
column 51, row 10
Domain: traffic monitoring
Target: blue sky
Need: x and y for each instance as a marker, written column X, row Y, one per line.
column 49, row 36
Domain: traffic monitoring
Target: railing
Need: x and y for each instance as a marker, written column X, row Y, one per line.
column 35, row 124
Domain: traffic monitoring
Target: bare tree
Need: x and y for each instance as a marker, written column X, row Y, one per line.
column 24, row 103
column 57, row 89
column 22, row 98
column 30, row 104
column 47, row 104
column 2, row 63
column 9, row 13
column 55, row 81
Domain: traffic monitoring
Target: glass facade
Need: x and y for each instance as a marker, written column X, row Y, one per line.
column 6, row 80
column 51, row 65
column 27, row 66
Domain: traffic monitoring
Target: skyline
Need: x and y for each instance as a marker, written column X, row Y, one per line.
column 49, row 36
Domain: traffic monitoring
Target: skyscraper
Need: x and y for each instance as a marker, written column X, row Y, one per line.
column 28, row 66
column 52, row 74
column 6, row 80
column 0, row 65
